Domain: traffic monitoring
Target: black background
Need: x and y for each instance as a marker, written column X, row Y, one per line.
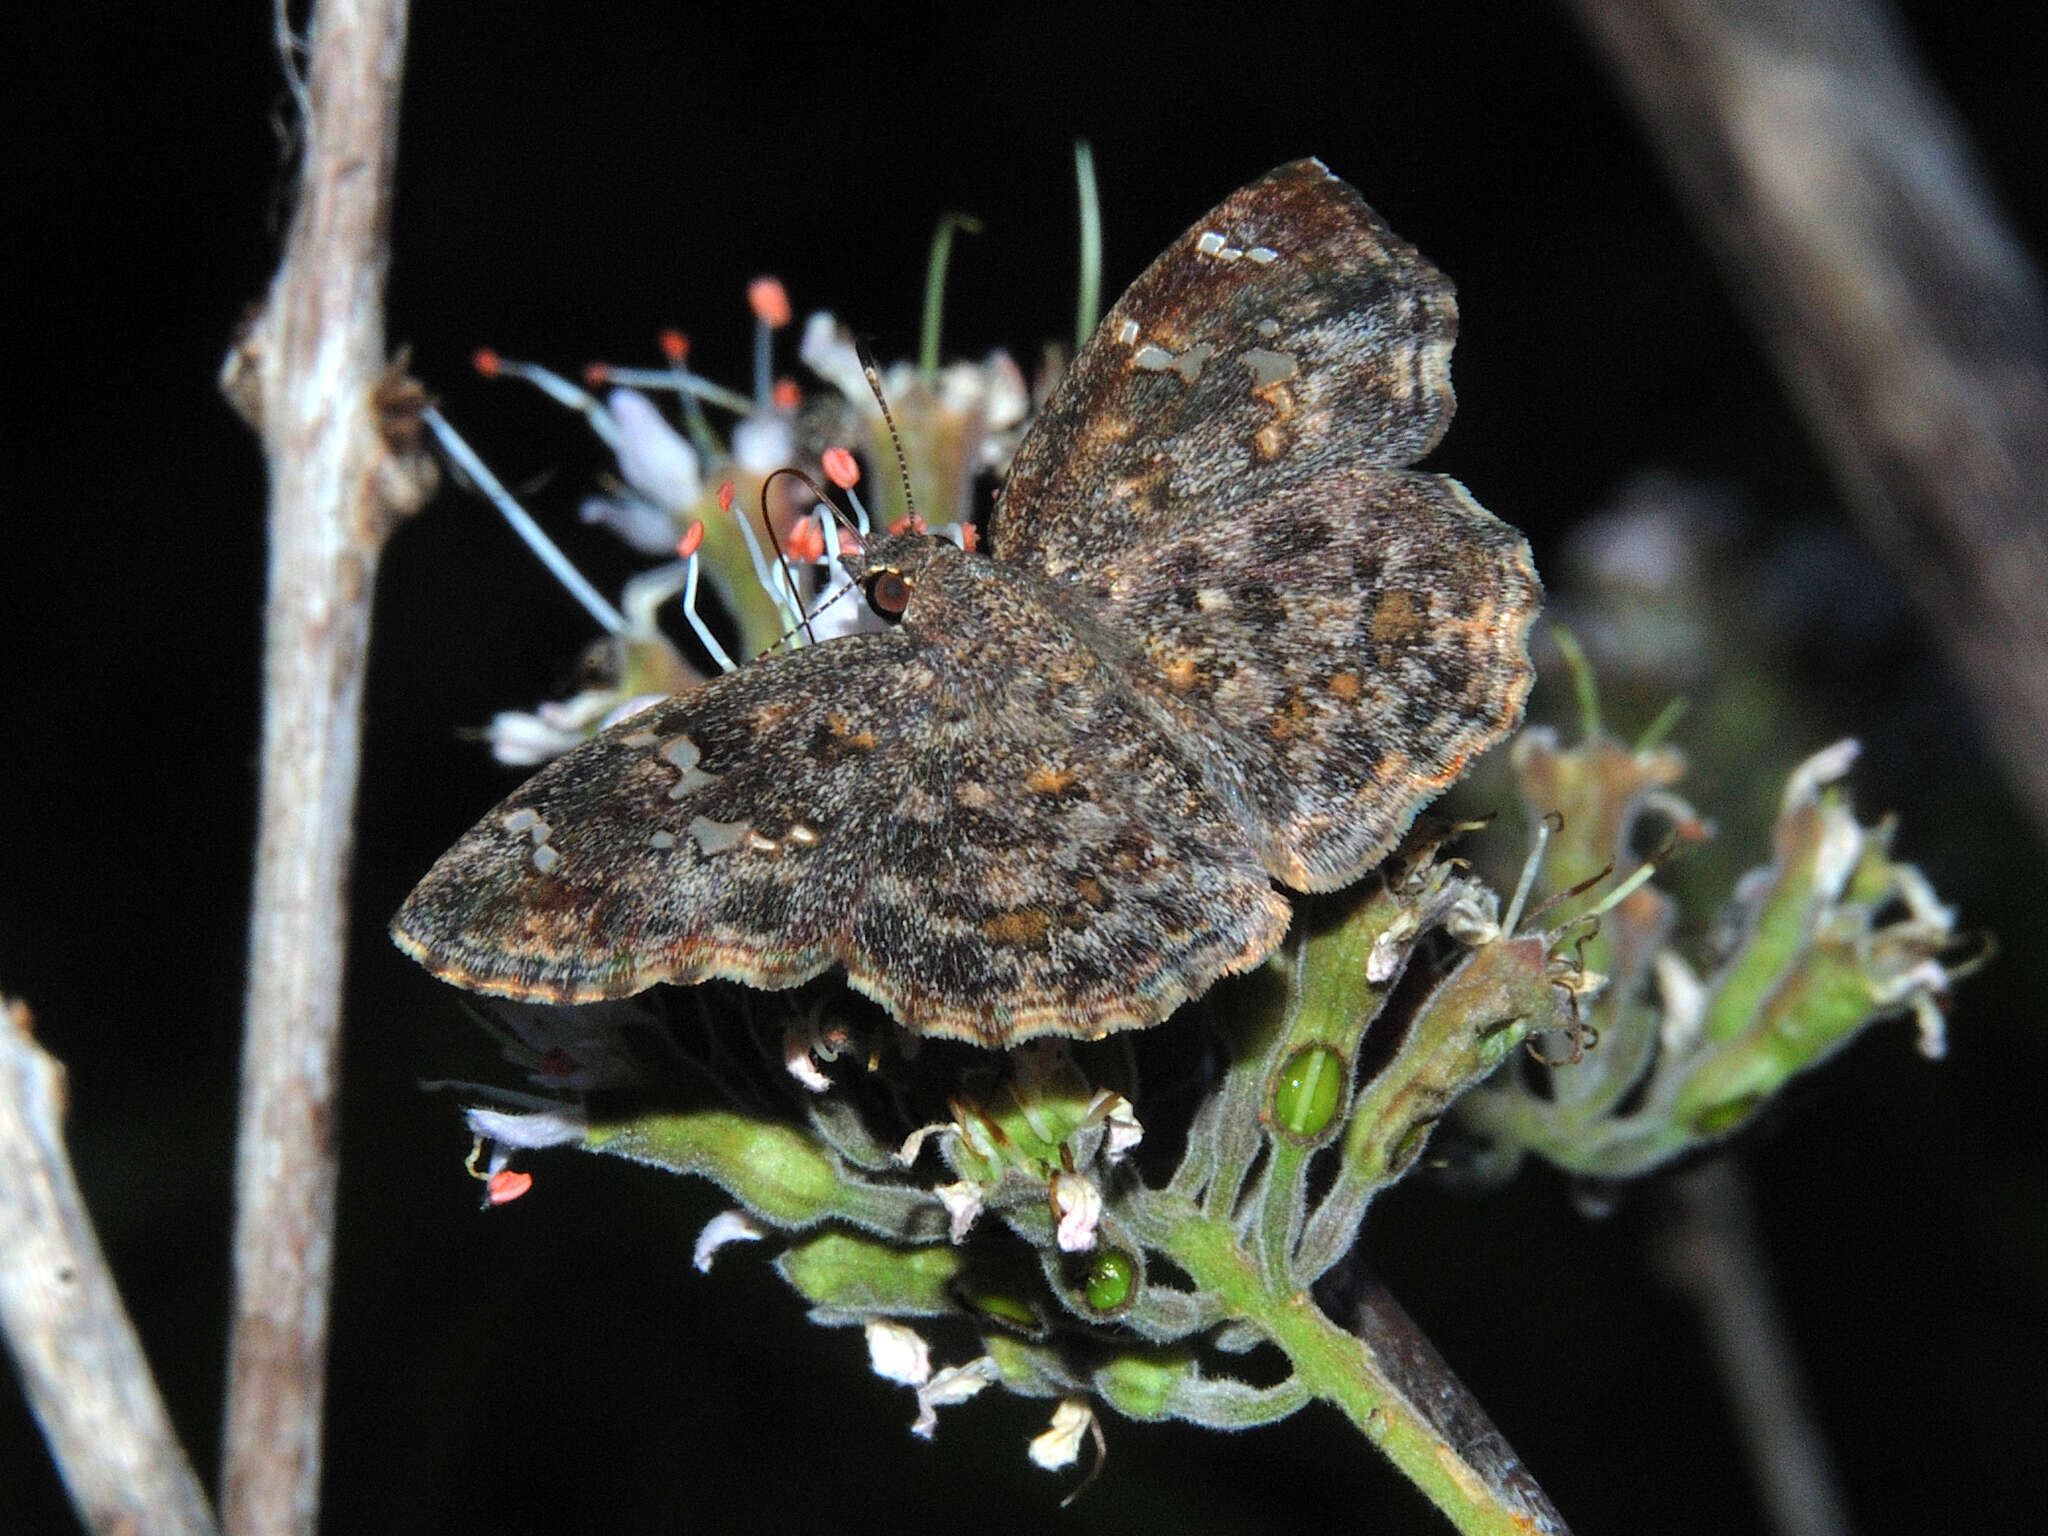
column 573, row 178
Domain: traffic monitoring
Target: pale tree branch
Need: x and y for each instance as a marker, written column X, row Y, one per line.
column 80, row 1363
column 312, row 375
column 1713, row 1254
column 1849, row 213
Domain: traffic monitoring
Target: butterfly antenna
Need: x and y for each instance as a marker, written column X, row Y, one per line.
column 1088, row 301
column 874, row 377
column 781, row 557
column 848, row 531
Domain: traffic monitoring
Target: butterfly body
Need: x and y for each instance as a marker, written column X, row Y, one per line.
column 1224, row 637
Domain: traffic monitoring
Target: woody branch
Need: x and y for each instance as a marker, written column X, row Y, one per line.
column 312, row 376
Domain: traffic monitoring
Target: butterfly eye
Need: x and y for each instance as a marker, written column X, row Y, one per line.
column 888, row 594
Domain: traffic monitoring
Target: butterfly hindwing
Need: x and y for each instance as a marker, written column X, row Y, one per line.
column 1344, row 648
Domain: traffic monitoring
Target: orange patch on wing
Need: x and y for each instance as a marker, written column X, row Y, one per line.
column 1290, row 721
column 1345, row 685
column 1395, row 619
column 1028, row 926
column 1050, row 781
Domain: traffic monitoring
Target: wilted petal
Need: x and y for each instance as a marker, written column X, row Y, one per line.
column 955, row 1384
column 727, row 1227
column 1121, row 1117
column 963, row 1207
column 1077, row 1208
column 1060, row 1446
column 796, row 1058
column 913, row 1144
column 898, row 1353
column 1823, row 768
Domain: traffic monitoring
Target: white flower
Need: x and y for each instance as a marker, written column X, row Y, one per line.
column 654, row 458
column 1060, row 1446
column 763, row 443
column 563, row 1125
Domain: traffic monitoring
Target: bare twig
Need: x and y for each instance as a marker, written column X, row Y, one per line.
column 1712, row 1255
column 312, row 376
column 1847, row 208
column 80, row 1362
column 1359, row 1300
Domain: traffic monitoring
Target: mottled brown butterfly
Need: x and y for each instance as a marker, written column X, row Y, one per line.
column 1223, row 637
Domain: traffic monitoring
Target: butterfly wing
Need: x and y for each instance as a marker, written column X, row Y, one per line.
column 991, row 858
column 1287, row 335
column 1221, row 480
column 1343, row 651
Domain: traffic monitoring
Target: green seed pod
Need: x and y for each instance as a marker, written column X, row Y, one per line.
column 1112, row 1278
column 1308, row 1092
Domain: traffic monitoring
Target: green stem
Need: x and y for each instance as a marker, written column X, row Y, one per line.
column 1333, row 1365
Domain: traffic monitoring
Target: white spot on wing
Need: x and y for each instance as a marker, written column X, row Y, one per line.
column 1270, row 368
column 1263, row 254
column 1187, row 364
column 545, row 858
column 715, row 837
column 683, row 753
column 518, row 821
column 1209, row 243
column 1127, row 333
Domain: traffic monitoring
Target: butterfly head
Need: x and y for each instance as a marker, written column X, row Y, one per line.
column 889, row 568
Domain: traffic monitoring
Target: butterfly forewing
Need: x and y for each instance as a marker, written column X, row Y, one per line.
column 723, row 833
column 1287, row 334
column 995, row 851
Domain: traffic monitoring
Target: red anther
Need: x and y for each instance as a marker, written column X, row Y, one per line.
column 693, row 535
column 805, row 542
column 770, row 302
column 725, row 497
column 675, row 346
column 507, row 1186
column 486, row 362
column 970, row 537
column 902, row 524
column 597, row 374
column 841, row 468
column 788, row 395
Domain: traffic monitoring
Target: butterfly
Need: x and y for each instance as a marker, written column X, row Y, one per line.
column 1224, row 637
